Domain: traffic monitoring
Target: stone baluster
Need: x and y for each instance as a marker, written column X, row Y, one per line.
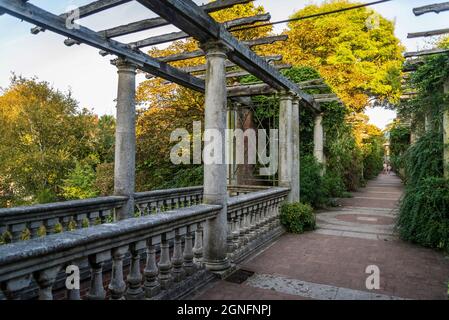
column 252, row 223
column 135, row 291
column 198, row 248
column 65, row 222
column 236, row 232
column 80, row 220
column 50, row 225
column 16, row 231
column 151, row 272
column 45, row 279
column 12, row 288
column 96, row 261
column 93, row 218
column 229, row 237
column 272, row 215
column 177, row 259
column 242, row 235
column 117, row 286
column 34, row 227
column 72, row 281
column 188, row 264
column 105, row 215
column 165, row 266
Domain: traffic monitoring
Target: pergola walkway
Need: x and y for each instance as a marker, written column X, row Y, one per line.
column 330, row 263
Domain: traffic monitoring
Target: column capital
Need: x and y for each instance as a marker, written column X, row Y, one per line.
column 124, row 65
column 215, row 48
column 286, row 95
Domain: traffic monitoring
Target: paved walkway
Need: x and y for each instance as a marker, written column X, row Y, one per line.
column 331, row 262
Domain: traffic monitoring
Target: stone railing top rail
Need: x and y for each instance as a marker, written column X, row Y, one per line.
column 164, row 193
column 23, row 258
column 249, row 199
column 41, row 211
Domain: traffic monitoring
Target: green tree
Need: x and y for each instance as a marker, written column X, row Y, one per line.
column 43, row 133
column 355, row 51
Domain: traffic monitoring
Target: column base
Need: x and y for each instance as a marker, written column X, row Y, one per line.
column 217, row 265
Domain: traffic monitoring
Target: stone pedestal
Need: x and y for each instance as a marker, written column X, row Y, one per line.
column 318, row 140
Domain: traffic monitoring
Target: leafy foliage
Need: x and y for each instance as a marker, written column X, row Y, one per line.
column 356, row 51
column 424, row 217
column 298, row 217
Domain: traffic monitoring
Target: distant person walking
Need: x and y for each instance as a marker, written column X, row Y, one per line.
column 389, row 169
column 385, row 168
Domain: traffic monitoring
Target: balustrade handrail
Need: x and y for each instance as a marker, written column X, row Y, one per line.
column 249, row 199
column 42, row 211
column 164, row 193
column 23, row 258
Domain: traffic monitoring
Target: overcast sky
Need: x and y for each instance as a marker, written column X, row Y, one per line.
column 93, row 80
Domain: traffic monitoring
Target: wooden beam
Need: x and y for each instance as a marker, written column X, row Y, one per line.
column 228, row 64
column 160, row 22
column 428, row 33
column 89, row 9
column 57, row 24
column 200, row 53
column 437, row 8
column 242, row 73
column 188, row 17
column 425, row 52
column 181, row 34
column 248, row 90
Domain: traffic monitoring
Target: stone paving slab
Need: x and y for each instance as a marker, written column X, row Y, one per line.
column 336, row 255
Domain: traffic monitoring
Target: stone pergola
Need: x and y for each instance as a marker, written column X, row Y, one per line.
column 220, row 224
column 414, row 63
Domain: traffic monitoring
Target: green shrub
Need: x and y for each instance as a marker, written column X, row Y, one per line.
column 312, row 188
column 298, row 217
column 424, row 213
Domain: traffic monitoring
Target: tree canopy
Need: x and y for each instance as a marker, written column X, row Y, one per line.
column 356, row 51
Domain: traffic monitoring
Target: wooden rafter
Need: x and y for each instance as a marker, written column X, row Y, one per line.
column 425, row 52
column 187, row 16
column 89, row 9
column 160, row 22
column 200, row 53
column 437, row 8
column 428, row 33
column 57, row 24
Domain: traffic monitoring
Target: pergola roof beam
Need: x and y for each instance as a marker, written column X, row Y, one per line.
column 89, row 9
column 152, row 41
column 200, row 53
column 160, row 22
column 437, row 8
column 187, row 16
column 57, row 24
column 264, row 89
column 425, row 52
column 428, row 33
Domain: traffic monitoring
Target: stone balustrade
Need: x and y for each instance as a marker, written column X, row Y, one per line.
column 23, row 223
column 40, row 261
column 237, row 190
column 44, row 219
column 253, row 220
column 161, row 200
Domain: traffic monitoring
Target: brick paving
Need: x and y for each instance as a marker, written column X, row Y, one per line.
column 349, row 238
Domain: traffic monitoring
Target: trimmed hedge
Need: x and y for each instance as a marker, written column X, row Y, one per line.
column 298, row 217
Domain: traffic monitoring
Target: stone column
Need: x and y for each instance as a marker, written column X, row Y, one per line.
column 446, row 133
column 215, row 191
column 285, row 142
column 125, row 137
column 296, row 181
column 318, row 140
